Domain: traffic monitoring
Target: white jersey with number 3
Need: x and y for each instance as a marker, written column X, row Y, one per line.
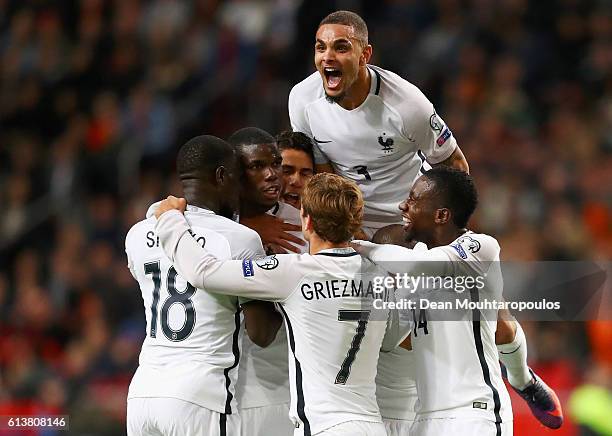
column 325, row 299
column 381, row 145
column 191, row 349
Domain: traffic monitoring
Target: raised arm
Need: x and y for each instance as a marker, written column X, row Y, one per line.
column 456, row 160
column 399, row 260
column 205, row 271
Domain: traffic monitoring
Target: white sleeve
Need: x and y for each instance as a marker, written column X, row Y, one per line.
column 250, row 246
column 130, row 262
column 399, row 327
column 473, row 253
column 399, row 260
column 431, row 133
column 297, row 113
column 271, row 281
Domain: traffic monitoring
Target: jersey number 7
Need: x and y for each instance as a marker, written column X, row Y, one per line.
column 183, row 298
column 361, row 316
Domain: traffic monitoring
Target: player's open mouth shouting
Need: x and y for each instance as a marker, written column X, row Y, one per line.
column 333, row 78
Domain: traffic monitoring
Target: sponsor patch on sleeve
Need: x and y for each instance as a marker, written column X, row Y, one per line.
column 459, row 249
column 247, row 268
column 443, row 137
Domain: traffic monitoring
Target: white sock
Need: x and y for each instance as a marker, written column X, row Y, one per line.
column 514, row 357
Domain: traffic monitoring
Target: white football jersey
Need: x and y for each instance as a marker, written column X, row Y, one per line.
column 263, row 374
column 290, row 215
column 326, row 301
column 396, row 391
column 191, row 349
column 381, row 145
column 457, row 365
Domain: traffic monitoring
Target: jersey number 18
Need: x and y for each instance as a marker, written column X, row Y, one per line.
column 175, row 297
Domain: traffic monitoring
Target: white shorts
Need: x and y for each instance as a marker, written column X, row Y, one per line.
column 459, row 427
column 266, row 421
column 397, row 427
column 174, row 417
column 351, row 428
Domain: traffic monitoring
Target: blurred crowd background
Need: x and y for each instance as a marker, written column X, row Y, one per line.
column 97, row 96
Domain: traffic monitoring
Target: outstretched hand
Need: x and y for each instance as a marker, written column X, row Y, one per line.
column 274, row 233
column 171, row 203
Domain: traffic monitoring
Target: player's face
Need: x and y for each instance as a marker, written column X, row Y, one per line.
column 262, row 169
column 338, row 56
column 419, row 211
column 297, row 170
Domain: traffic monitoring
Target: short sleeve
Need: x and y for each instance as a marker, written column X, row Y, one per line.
column 297, row 113
column 431, row 133
column 250, row 246
column 319, row 156
column 130, row 262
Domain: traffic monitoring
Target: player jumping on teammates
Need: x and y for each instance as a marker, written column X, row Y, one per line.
column 368, row 124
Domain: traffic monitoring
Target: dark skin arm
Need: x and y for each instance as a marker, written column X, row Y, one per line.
column 506, row 327
column 261, row 321
column 273, row 231
column 407, row 343
column 456, row 160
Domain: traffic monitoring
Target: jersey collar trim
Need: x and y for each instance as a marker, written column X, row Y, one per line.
column 338, row 252
column 196, row 209
column 375, row 82
column 275, row 209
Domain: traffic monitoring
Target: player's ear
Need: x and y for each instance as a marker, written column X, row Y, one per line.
column 308, row 222
column 366, row 55
column 443, row 216
column 220, row 175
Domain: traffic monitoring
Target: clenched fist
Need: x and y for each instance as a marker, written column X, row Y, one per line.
column 171, row 203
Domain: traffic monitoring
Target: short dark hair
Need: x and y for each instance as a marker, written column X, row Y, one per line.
column 202, row 154
column 348, row 18
column 457, row 192
column 250, row 136
column 289, row 140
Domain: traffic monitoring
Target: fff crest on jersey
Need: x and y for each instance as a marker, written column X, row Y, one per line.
column 268, row 262
column 386, row 143
column 470, row 243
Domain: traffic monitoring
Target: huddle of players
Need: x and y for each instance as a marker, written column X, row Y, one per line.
column 332, row 383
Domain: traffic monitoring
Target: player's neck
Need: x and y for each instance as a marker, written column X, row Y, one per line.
column 445, row 235
column 201, row 198
column 317, row 244
column 250, row 210
column 358, row 91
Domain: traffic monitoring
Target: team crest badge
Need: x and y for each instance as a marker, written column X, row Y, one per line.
column 386, row 143
column 268, row 262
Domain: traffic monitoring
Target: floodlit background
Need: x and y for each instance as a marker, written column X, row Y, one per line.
column 97, row 96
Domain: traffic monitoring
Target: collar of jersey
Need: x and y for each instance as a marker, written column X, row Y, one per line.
column 274, row 209
column 374, row 80
column 196, row 209
column 374, row 89
column 338, row 252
